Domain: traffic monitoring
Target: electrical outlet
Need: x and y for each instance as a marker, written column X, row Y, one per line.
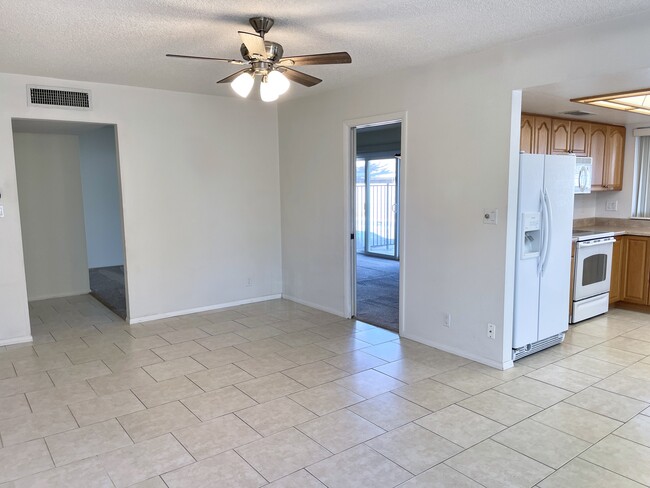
column 447, row 322
column 2, row 211
column 612, row 205
column 249, row 282
column 492, row 331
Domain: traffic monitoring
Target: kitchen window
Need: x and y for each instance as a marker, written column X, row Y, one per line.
column 642, row 178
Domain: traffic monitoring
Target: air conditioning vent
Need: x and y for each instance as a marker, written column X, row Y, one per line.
column 576, row 113
column 44, row 96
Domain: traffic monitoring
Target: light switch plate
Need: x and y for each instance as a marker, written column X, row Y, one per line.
column 490, row 216
column 2, row 211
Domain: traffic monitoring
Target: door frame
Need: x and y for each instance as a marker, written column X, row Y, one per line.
column 120, row 196
column 349, row 245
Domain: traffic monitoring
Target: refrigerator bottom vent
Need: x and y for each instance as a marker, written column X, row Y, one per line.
column 529, row 349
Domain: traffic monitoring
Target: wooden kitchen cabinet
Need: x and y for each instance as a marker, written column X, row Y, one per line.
column 635, row 274
column 527, row 141
column 560, row 136
column 580, row 136
column 535, row 134
column 542, row 136
column 598, row 153
column 604, row 143
column 615, row 148
column 617, row 261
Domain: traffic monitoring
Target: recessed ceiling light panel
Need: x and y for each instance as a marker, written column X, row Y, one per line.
column 637, row 101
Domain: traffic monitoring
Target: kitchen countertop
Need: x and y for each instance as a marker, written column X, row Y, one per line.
column 618, row 231
column 620, row 227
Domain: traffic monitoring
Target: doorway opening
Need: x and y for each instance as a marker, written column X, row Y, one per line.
column 70, row 211
column 376, row 256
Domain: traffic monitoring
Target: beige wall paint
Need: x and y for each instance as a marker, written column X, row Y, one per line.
column 201, row 203
column 53, row 235
column 461, row 157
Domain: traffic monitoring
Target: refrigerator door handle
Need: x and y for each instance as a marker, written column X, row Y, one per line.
column 542, row 254
column 549, row 228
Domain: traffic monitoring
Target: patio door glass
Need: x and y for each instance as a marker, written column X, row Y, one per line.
column 376, row 203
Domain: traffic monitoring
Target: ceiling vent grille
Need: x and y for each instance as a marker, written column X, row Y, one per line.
column 47, row 96
column 576, row 113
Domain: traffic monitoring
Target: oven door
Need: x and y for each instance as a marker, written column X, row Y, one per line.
column 593, row 268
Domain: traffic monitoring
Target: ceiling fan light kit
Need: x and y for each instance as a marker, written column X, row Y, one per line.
column 266, row 62
column 267, row 91
column 243, row 84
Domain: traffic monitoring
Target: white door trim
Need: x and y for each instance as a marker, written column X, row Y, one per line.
column 349, row 260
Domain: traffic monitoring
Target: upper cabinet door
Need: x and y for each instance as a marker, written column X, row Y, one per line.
column 542, row 136
column 579, row 138
column 561, row 136
column 613, row 176
column 597, row 151
column 527, row 142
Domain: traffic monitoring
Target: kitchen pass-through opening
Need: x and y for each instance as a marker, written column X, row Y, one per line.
column 376, row 236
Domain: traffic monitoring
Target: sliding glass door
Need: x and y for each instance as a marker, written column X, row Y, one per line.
column 377, row 197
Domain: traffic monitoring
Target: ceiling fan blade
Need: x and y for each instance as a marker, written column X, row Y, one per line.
column 325, row 58
column 300, row 77
column 228, row 79
column 254, row 44
column 231, row 61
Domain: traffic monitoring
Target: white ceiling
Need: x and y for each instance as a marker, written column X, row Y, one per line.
column 554, row 99
column 125, row 41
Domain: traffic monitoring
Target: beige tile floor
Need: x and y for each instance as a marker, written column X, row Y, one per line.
column 277, row 394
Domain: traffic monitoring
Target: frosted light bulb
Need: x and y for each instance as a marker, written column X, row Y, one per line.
column 243, row 84
column 279, row 82
column 268, row 92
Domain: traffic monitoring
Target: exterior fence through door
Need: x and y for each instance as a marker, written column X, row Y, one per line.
column 379, row 236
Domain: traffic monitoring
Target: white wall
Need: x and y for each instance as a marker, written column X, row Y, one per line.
column 459, row 158
column 584, row 206
column 101, row 197
column 201, row 202
column 49, row 190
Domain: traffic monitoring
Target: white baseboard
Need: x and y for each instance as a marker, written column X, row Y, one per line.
column 16, row 340
column 58, row 295
column 313, row 305
column 166, row 315
column 458, row 352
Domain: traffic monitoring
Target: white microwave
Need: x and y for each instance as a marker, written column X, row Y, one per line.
column 582, row 176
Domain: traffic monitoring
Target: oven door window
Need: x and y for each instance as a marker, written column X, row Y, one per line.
column 594, row 269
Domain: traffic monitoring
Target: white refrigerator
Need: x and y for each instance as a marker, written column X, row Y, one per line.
column 543, row 262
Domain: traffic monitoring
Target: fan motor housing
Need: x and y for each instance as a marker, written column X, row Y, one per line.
column 274, row 52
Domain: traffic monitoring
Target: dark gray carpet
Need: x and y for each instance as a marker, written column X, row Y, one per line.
column 107, row 286
column 378, row 291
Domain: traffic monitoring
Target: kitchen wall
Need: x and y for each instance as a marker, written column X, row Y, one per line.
column 101, row 197
column 49, row 191
column 201, row 203
column 584, row 206
column 460, row 157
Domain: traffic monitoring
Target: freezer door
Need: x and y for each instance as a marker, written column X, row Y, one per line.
column 556, row 268
column 531, row 177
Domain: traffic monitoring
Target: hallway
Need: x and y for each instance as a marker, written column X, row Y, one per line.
column 378, row 291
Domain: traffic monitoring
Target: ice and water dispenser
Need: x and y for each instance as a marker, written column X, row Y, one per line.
column 532, row 238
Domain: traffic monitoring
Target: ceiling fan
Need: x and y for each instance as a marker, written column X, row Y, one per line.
column 264, row 59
